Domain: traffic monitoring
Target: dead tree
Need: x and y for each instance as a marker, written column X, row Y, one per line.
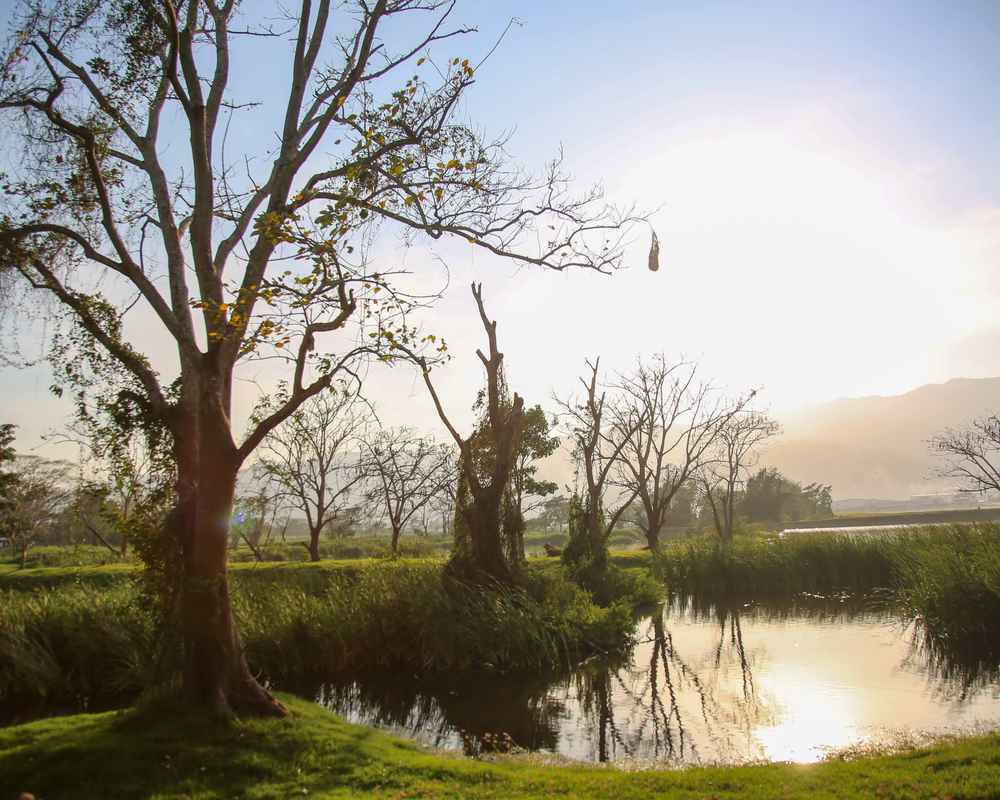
column 487, row 460
column 732, row 455
column 406, row 472
column 665, row 423
column 314, row 460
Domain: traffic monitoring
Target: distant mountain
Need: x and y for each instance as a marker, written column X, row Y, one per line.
column 876, row 447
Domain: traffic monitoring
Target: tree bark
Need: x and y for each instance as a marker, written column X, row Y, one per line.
column 486, row 542
column 313, row 547
column 215, row 672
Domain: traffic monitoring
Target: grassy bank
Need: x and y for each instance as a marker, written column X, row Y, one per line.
column 160, row 753
column 63, row 644
column 947, row 576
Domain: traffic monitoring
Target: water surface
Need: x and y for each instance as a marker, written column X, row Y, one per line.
column 723, row 682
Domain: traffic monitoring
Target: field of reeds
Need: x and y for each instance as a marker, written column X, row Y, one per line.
column 75, row 644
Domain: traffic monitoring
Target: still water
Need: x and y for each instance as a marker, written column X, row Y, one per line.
column 725, row 682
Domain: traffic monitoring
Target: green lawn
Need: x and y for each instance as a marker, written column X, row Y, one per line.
column 156, row 753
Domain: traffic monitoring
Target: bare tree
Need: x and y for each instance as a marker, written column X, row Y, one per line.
column 123, row 198
column 665, row 423
column 314, row 458
column 487, row 459
column 40, row 491
column 971, row 455
column 407, row 472
column 587, row 421
column 731, row 457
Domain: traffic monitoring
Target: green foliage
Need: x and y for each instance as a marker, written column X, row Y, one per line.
column 73, row 641
column 761, row 565
column 951, row 580
column 586, row 550
column 159, row 751
column 771, row 497
column 536, row 443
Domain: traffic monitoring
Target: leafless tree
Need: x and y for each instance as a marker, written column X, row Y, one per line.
column 666, row 421
column 487, row 458
column 124, row 197
column 971, row 455
column 407, row 472
column 587, row 420
column 732, row 455
column 315, row 460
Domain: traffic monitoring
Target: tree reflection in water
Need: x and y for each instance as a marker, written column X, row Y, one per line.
column 477, row 716
column 701, row 683
column 656, row 697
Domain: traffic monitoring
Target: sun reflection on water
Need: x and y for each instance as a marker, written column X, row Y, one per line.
column 814, row 719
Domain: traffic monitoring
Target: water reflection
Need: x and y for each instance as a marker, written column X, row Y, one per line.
column 704, row 682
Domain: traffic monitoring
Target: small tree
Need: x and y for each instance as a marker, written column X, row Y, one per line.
column 407, row 472
column 314, row 458
column 725, row 469
column 971, row 455
column 536, row 443
column 485, row 544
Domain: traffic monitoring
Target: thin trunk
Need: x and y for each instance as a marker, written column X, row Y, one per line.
column 313, row 547
column 395, row 539
column 719, row 529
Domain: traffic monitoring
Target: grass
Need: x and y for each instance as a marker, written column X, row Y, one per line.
column 763, row 565
column 158, row 752
column 65, row 644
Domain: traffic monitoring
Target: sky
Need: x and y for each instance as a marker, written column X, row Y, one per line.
column 824, row 181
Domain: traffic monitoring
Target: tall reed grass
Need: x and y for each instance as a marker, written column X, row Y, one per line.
column 74, row 644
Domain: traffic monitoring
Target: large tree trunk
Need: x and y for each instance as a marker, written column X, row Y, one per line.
column 215, row 673
column 485, row 556
column 395, row 540
column 653, row 537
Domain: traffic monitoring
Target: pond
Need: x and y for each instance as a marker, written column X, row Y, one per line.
column 727, row 682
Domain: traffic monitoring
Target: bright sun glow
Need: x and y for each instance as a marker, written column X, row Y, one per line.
column 815, row 719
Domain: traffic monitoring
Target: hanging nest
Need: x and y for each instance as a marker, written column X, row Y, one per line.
column 654, row 254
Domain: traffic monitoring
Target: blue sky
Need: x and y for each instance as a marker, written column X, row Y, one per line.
column 828, row 176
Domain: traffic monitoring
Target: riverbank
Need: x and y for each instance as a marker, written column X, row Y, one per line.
column 158, row 752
